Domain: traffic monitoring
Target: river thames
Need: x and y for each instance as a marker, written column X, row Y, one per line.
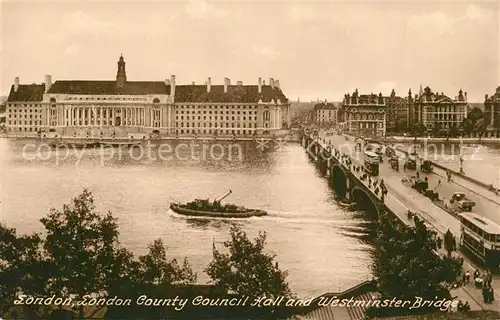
column 324, row 247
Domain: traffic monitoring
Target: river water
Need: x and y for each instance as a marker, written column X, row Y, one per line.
column 323, row 246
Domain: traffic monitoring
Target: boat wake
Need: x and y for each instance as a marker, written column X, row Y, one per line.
column 275, row 216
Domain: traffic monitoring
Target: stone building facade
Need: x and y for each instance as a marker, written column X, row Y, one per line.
column 396, row 113
column 121, row 107
column 325, row 113
column 492, row 111
column 364, row 114
column 437, row 111
column 23, row 111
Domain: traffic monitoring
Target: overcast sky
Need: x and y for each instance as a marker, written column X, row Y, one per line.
column 316, row 50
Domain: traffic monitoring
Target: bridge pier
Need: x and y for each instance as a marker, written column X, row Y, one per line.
column 346, row 184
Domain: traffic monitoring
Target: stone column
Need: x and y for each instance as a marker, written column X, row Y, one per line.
column 169, row 119
column 161, row 116
column 492, row 114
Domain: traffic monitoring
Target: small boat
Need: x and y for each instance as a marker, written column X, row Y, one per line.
column 467, row 146
column 205, row 208
column 74, row 145
column 347, row 204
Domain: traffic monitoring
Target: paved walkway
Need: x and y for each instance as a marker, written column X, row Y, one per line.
column 401, row 198
column 471, row 186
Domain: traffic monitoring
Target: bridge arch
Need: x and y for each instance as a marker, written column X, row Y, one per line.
column 365, row 200
column 339, row 181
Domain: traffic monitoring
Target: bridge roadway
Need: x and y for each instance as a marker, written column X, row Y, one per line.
column 401, row 198
column 485, row 206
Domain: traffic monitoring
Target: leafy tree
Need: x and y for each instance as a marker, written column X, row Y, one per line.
column 418, row 129
column 124, row 277
column 247, row 270
column 403, row 261
column 401, row 125
column 480, row 126
column 454, row 132
column 80, row 246
column 158, row 273
column 467, row 125
column 436, row 129
column 19, row 266
column 475, row 114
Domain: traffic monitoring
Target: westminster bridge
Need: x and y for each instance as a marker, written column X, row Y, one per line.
column 337, row 159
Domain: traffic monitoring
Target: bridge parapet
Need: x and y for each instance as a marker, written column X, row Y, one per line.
column 321, row 151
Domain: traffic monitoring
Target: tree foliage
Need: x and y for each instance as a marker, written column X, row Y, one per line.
column 19, row 265
column 247, row 269
column 406, row 265
column 157, row 271
column 454, row 132
column 467, row 125
column 418, row 129
column 475, row 121
column 81, row 255
column 400, row 125
column 480, row 126
column 79, row 246
column 475, row 114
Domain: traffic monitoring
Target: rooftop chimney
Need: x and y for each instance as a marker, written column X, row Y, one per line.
column 226, row 83
column 486, row 97
column 48, row 83
column 239, row 83
column 465, row 94
column 172, row 85
column 263, row 82
column 16, row 84
column 209, row 84
column 271, row 82
column 260, row 85
column 193, row 83
column 277, row 84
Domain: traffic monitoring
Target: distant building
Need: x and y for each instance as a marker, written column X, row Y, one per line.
column 325, row 113
column 3, row 107
column 364, row 114
column 492, row 110
column 396, row 113
column 121, row 107
column 23, row 107
column 437, row 111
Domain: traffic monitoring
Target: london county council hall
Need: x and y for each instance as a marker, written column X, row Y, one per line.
column 135, row 109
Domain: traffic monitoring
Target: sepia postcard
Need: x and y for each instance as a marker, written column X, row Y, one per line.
column 277, row 160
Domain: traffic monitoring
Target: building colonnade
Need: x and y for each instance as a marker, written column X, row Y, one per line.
column 60, row 115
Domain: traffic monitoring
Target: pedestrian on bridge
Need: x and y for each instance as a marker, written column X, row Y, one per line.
column 439, row 242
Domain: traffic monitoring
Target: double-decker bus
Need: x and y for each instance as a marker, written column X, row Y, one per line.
column 375, row 148
column 371, row 163
column 481, row 237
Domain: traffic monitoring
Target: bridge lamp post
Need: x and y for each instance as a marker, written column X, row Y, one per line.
column 462, row 164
